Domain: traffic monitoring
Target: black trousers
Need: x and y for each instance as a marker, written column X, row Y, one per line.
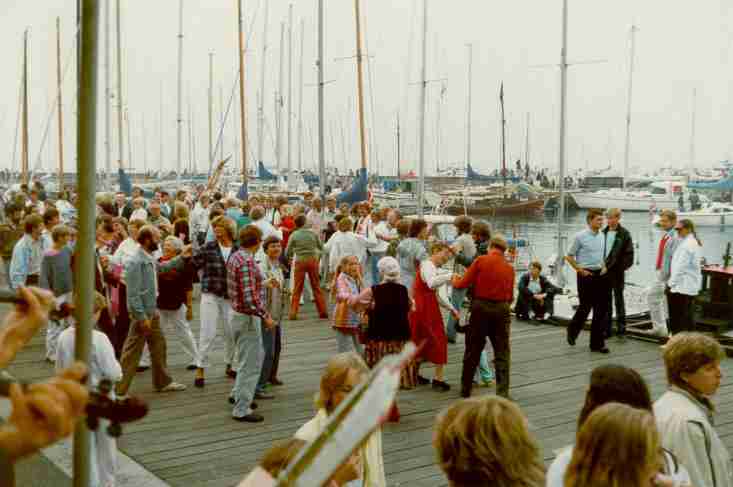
column 616, row 298
column 680, row 312
column 488, row 320
column 593, row 294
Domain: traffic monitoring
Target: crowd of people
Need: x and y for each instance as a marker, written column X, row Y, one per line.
column 379, row 280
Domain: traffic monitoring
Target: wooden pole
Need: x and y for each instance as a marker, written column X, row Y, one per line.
column 360, row 86
column 86, row 174
column 24, row 152
column 242, row 104
column 61, row 118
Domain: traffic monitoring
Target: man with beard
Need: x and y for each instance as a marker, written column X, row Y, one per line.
column 142, row 282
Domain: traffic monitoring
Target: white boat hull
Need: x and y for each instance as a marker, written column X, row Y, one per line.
column 624, row 202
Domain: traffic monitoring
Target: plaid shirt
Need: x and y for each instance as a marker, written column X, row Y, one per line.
column 208, row 258
column 247, row 291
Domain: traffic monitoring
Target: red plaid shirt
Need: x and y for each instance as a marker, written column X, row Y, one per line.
column 245, row 285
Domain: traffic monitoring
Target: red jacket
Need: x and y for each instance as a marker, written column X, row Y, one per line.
column 287, row 225
column 491, row 276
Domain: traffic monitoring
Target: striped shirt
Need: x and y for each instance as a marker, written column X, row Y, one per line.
column 245, row 284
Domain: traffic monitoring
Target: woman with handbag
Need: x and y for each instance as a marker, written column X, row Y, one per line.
column 345, row 293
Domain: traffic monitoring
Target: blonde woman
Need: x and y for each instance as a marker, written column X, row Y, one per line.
column 343, row 373
column 618, row 446
column 345, row 291
column 685, row 280
column 485, row 441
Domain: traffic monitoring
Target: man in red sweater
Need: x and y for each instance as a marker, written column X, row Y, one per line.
column 492, row 278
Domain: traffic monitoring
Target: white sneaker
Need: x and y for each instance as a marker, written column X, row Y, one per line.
column 173, row 387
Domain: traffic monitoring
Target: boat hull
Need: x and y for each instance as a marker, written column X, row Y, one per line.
column 529, row 207
column 625, row 203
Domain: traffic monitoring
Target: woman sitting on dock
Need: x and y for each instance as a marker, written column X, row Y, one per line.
column 343, row 373
column 426, row 320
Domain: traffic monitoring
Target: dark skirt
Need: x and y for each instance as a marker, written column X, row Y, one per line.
column 375, row 350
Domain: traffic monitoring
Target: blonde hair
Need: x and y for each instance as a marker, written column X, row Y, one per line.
column 345, row 225
column 617, row 446
column 180, row 211
column 226, row 223
column 485, row 441
column 686, row 353
column 337, row 369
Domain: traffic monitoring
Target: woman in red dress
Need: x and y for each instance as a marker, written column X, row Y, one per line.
column 426, row 320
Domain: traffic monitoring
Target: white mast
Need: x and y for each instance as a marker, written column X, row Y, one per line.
column 360, row 87
column 627, row 147
column 290, row 97
column 107, row 96
column 263, row 75
column 211, row 111
column 279, row 104
column 561, row 155
column 526, row 143
column 321, row 123
column 423, row 95
column 242, row 97
column 468, row 108
column 179, row 133
column 120, row 126
column 692, row 132
column 300, row 97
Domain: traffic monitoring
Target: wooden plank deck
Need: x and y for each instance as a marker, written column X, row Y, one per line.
column 189, row 438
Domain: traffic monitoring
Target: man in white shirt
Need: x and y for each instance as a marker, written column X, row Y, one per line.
column 200, row 220
column 385, row 231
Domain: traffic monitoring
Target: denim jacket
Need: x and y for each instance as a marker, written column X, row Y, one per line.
column 21, row 260
column 142, row 278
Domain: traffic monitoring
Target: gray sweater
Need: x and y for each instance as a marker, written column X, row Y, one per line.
column 56, row 273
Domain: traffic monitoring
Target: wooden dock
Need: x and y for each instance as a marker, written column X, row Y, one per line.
column 189, row 438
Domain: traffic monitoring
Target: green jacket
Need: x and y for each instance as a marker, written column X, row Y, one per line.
column 304, row 244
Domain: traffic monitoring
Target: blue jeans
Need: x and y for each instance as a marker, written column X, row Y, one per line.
column 456, row 298
column 248, row 338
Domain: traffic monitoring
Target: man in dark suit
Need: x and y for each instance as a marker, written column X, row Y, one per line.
column 619, row 256
column 122, row 207
column 535, row 293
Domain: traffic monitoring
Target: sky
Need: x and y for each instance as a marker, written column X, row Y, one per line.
column 681, row 48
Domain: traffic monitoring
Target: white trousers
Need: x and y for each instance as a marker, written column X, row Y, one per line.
column 175, row 320
column 215, row 310
column 657, row 302
column 53, row 330
column 104, row 456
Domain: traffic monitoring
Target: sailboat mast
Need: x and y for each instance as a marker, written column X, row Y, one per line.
column 263, row 76
column 211, row 110
column 107, row 95
column 179, row 128
column 290, row 96
column 24, row 153
column 398, row 147
column 468, row 107
column 221, row 122
column 503, row 137
column 300, row 97
column 120, row 126
column 437, row 130
column 627, row 147
column 279, row 103
column 160, row 121
column 61, row 117
column 321, row 117
column 242, row 100
column 423, row 98
column 526, row 142
column 692, row 132
column 145, row 145
column 129, row 140
column 360, row 86
column 561, row 156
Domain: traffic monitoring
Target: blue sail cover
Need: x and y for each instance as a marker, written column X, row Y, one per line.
column 471, row 174
column 357, row 192
column 722, row 185
column 243, row 193
column 126, row 185
column 263, row 173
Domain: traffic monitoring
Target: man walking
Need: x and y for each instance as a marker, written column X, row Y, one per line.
column 586, row 257
column 656, row 298
column 247, row 292
column 492, row 278
column 25, row 265
column 619, row 257
column 142, row 283
column 306, row 247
